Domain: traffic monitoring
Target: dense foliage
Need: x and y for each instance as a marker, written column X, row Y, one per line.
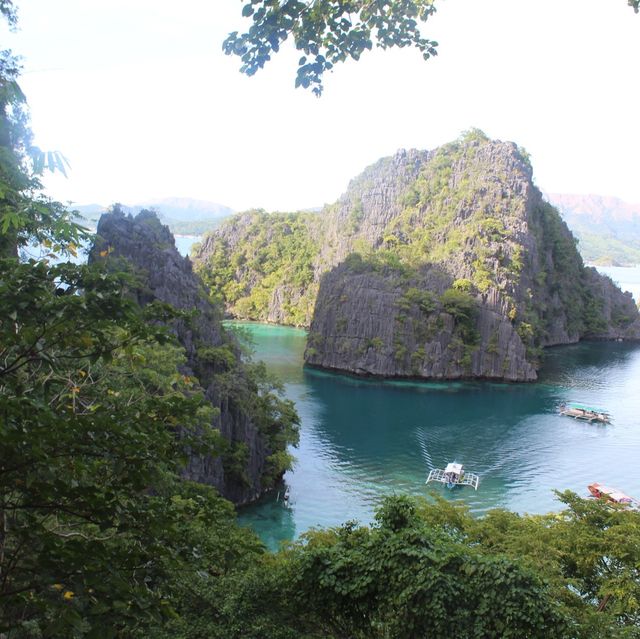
column 268, row 250
column 432, row 569
column 94, row 521
column 95, row 423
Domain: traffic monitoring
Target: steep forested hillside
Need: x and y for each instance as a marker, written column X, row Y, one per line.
column 261, row 266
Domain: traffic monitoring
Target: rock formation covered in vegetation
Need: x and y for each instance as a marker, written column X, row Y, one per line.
column 255, row 424
column 435, row 264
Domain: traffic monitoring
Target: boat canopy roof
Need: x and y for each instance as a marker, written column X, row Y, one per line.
column 591, row 409
column 453, row 468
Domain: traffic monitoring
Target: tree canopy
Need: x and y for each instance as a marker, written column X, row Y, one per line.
column 94, row 520
column 431, row 569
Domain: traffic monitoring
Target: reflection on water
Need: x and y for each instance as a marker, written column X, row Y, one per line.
column 361, row 439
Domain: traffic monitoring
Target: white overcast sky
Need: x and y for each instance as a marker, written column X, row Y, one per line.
column 139, row 97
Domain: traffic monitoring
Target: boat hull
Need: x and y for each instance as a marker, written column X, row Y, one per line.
column 586, row 416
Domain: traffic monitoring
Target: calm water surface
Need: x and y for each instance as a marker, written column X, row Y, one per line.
column 362, row 439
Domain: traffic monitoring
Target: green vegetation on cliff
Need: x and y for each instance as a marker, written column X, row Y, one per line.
column 254, row 254
column 460, row 181
column 250, row 257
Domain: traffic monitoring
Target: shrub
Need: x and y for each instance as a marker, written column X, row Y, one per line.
column 460, row 304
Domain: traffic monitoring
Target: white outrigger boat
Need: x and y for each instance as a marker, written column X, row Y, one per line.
column 454, row 475
column 585, row 413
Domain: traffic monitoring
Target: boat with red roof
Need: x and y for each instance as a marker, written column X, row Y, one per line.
column 612, row 495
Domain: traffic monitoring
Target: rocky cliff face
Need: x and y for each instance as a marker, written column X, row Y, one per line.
column 374, row 319
column 359, row 219
column 246, row 469
column 444, row 264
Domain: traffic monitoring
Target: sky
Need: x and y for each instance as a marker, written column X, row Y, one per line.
column 139, row 97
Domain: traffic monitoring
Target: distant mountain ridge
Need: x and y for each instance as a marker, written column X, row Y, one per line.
column 608, row 228
column 602, row 208
column 186, row 209
column 181, row 214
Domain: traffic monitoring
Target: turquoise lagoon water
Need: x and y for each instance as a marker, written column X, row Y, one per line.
column 362, row 439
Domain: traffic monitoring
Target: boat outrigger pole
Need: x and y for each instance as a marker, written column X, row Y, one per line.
column 454, row 475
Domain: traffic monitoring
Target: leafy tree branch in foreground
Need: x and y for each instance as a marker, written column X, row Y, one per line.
column 328, row 32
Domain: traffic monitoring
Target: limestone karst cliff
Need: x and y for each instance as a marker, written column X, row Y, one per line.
column 256, row 425
column 435, row 264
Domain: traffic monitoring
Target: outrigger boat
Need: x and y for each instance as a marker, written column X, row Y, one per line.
column 611, row 495
column 453, row 475
column 585, row 413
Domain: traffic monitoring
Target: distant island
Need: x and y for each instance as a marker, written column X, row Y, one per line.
column 441, row 264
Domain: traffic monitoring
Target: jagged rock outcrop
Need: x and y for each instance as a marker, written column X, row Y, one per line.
column 617, row 309
column 439, row 264
column 164, row 275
